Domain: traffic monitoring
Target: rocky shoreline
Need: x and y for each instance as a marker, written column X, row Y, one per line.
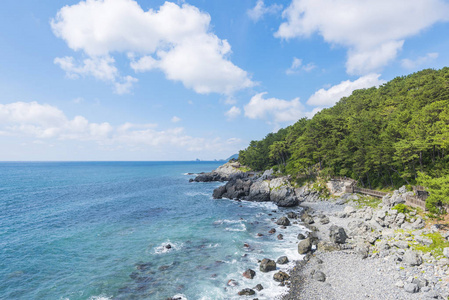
column 351, row 251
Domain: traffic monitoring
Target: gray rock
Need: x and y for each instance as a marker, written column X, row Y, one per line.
column 337, row 234
column 283, row 221
column 301, row 236
column 267, row 265
column 402, row 189
column 324, row 246
column 249, row 274
column 423, row 240
column 349, row 210
column 421, row 282
column 412, row 258
column 318, row 275
column 259, row 191
column 292, row 215
column 246, row 292
column 400, row 244
column 324, row 220
column 411, row 288
column 282, row 260
column 304, row 246
column 281, row 276
column 446, row 252
column 258, row 287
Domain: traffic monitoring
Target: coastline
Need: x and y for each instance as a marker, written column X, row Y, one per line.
column 374, row 260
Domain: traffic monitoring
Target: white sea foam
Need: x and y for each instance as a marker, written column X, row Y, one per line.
column 101, row 297
column 225, row 221
column 193, row 194
column 161, row 249
column 241, row 227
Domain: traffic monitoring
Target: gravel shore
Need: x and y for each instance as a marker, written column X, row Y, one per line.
column 350, row 276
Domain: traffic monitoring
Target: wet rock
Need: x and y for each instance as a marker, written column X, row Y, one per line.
column 168, row 246
column 304, row 246
column 280, row 236
column 282, row 260
column 246, row 292
column 301, row 236
column 267, row 265
column 281, row 276
column 249, row 274
column 272, row 230
column 232, row 282
column 259, row 234
column 337, row 234
column 219, row 192
column 246, row 245
column 284, row 221
column 292, row 215
column 258, row 287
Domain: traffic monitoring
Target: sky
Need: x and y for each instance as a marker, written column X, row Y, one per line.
column 152, row 80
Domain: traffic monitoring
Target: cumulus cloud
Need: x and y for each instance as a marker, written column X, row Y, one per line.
column 297, row 66
column 175, row 119
column 175, row 39
column 330, row 96
column 46, row 122
column 274, row 110
column 373, row 31
column 413, row 64
column 257, row 12
column 233, row 112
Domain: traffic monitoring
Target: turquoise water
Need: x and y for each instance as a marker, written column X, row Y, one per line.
column 98, row 230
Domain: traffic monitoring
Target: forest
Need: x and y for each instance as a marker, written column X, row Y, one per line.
column 383, row 137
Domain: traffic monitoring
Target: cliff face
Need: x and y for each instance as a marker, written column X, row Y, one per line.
column 222, row 173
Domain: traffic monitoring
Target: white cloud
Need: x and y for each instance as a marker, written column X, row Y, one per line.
column 257, row 12
column 412, row 64
column 373, row 30
column 274, row 110
column 175, row 119
column 101, row 68
column 46, row 122
column 330, row 96
column 297, row 66
column 233, row 112
column 175, row 39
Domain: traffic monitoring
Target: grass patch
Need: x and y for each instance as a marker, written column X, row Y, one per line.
column 401, row 208
column 363, row 201
column 244, row 169
column 436, row 248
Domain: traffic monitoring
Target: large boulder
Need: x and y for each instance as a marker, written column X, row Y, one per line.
column 259, row 191
column 282, row 193
column 412, row 258
column 337, row 234
column 281, row 276
column 237, row 188
column 283, row 221
column 267, row 265
column 219, row 192
column 304, row 246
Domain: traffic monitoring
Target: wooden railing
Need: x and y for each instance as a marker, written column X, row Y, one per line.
column 369, row 192
column 415, row 202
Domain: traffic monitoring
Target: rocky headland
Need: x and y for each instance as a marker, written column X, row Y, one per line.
column 356, row 247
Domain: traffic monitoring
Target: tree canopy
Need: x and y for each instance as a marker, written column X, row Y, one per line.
column 379, row 136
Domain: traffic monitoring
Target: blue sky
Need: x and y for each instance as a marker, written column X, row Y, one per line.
column 155, row 80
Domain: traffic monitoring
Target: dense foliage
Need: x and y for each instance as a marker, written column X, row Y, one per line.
column 379, row 136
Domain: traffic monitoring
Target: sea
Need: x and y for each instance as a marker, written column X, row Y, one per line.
column 101, row 230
